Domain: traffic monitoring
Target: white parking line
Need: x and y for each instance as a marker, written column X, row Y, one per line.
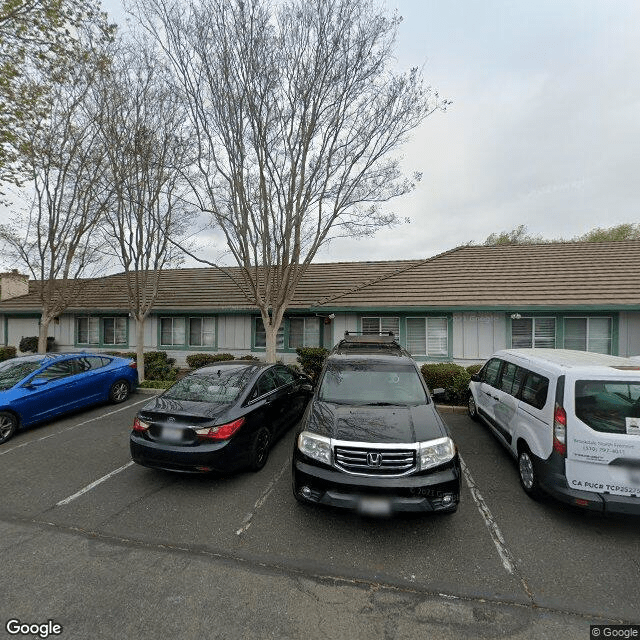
column 246, row 522
column 74, row 426
column 505, row 555
column 93, row 484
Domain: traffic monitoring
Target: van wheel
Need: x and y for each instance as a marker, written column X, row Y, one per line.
column 8, row 425
column 471, row 408
column 528, row 477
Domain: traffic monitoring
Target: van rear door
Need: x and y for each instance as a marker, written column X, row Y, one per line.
column 603, row 434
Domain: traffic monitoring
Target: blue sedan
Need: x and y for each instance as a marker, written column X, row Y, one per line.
column 37, row 388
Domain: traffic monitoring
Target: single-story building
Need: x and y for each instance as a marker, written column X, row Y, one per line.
column 461, row 305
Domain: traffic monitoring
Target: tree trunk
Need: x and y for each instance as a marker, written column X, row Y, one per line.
column 43, row 333
column 140, row 347
column 271, row 337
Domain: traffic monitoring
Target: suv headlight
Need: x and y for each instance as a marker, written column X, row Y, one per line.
column 315, row 446
column 435, row 452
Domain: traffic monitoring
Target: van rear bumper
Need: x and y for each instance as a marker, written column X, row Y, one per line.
column 555, row 484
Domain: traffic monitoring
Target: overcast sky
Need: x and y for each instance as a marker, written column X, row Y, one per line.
column 544, row 129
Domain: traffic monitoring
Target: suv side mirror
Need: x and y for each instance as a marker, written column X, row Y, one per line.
column 475, row 377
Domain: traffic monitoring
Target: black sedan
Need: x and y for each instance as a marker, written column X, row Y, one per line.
column 219, row 418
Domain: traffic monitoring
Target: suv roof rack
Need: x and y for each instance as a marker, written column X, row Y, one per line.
column 383, row 341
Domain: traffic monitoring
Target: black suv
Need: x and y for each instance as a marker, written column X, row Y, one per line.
column 371, row 438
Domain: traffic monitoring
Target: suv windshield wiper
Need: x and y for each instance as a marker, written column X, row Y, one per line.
column 382, row 404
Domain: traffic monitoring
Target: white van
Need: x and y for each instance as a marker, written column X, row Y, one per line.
column 571, row 418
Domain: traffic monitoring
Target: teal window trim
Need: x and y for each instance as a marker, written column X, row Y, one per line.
column 101, row 344
column 185, row 346
column 286, row 330
column 402, row 330
column 560, row 316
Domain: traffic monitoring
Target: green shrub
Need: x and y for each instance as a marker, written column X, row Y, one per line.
column 198, row 360
column 311, row 360
column 474, row 368
column 158, row 366
column 30, row 344
column 6, row 353
column 453, row 378
column 250, row 357
column 123, row 354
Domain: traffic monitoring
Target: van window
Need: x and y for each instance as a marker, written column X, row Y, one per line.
column 491, row 371
column 535, row 390
column 511, row 378
column 604, row 406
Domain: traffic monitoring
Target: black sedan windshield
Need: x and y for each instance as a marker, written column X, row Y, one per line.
column 220, row 387
column 372, row 384
column 12, row 372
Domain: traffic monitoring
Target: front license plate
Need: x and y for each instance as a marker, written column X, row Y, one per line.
column 171, row 435
column 374, row 506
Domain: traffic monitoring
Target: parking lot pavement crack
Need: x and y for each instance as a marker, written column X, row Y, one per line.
column 508, row 561
column 304, row 573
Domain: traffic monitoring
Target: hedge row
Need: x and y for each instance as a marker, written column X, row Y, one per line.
column 311, row 360
column 157, row 365
column 198, row 360
column 6, row 353
column 30, row 344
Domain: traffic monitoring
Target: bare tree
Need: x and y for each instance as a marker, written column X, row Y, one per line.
column 36, row 38
column 146, row 144
column 59, row 145
column 296, row 111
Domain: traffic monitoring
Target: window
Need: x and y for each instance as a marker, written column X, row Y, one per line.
column 535, row 390
column 266, row 383
column 533, row 332
column 588, row 334
column 87, row 363
column 114, row 330
column 284, row 376
column 427, row 336
column 105, row 331
column 379, row 325
column 202, row 332
column 490, row 372
column 606, row 405
column 304, row 332
column 172, row 331
column 261, row 335
column 511, row 378
column 88, row 330
column 56, row 371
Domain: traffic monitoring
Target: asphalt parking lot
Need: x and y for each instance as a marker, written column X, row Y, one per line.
column 108, row 549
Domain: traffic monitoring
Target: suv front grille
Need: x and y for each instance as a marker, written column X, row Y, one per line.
column 372, row 461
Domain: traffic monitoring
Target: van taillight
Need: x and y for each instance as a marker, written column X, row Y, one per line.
column 560, row 430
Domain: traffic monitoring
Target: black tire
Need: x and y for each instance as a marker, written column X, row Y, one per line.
column 472, row 410
column 119, row 391
column 260, row 447
column 8, row 426
column 527, row 473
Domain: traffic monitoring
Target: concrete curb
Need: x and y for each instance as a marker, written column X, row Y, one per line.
column 446, row 408
column 150, row 392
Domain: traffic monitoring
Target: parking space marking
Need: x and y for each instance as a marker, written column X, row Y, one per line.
column 246, row 522
column 505, row 555
column 94, row 484
column 73, row 426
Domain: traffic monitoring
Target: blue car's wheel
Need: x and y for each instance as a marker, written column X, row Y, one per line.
column 119, row 391
column 8, row 426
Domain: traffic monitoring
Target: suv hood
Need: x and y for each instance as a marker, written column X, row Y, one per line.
column 386, row 424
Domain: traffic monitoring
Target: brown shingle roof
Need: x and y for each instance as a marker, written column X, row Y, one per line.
column 573, row 274
column 558, row 275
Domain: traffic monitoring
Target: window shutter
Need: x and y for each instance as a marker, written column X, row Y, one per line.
column 600, row 335
column 522, row 333
column 545, row 333
column 437, row 337
column 370, row 325
column 416, row 336
column 575, row 333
